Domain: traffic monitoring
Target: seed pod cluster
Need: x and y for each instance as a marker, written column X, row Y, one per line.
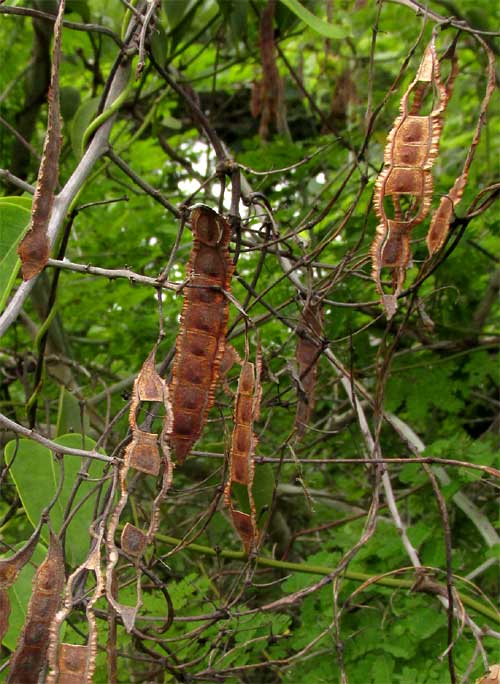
column 403, row 190
column 30, row 655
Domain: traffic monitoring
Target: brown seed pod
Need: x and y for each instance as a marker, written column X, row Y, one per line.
column 440, row 223
column 69, row 661
column 243, row 445
column 35, row 246
column 9, row 570
column 403, row 190
column 491, row 677
column 30, row 655
column 149, row 453
column 72, row 663
column 309, row 346
column 201, row 339
column 133, row 540
column 229, row 359
column 4, row 612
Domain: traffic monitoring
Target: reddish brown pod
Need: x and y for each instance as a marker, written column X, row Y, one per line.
column 9, row 570
column 73, row 664
column 34, row 248
column 201, row 339
column 403, row 190
column 441, row 220
column 147, row 453
column 309, row 346
column 243, row 445
column 30, row 655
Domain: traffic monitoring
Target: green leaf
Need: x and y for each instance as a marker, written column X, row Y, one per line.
column 69, row 418
column 84, row 115
column 241, row 494
column 80, row 7
column 493, row 552
column 170, row 122
column 159, row 42
column 19, row 201
column 318, row 25
column 36, row 473
column 424, row 622
column 382, row 669
column 235, row 13
column 263, row 491
column 176, row 10
column 70, row 101
column 14, row 221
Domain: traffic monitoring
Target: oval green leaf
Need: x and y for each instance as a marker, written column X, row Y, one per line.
column 36, row 473
column 81, row 120
column 14, row 222
column 318, row 25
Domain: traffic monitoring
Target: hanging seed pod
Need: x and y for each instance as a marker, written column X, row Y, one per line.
column 148, row 453
column 35, row 246
column 243, row 445
column 71, row 663
column 440, row 223
column 201, row 339
column 30, row 655
column 403, row 190
column 9, row 570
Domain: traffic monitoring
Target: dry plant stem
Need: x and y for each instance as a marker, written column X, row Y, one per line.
column 149, row 189
column 493, row 472
column 307, row 353
column 385, row 357
column 76, row 26
column 148, row 16
column 14, row 180
column 197, row 114
column 416, row 445
column 424, row 11
column 53, row 446
column 69, row 192
column 19, row 137
column 113, row 273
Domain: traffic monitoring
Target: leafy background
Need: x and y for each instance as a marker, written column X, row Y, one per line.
column 443, row 381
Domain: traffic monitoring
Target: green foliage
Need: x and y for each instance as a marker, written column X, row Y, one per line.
column 317, row 25
column 14, row 221
column 33, row 463
column 442, row 380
